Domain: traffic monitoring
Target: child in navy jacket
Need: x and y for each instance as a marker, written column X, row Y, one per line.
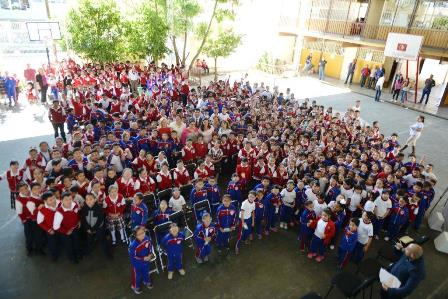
column 348, row 242
column 140, row 253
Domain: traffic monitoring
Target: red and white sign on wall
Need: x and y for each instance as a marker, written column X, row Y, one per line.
column 403, row 46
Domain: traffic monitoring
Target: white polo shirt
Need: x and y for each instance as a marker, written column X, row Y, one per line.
column 247, row 207
column 381, row 206
column 365, row 231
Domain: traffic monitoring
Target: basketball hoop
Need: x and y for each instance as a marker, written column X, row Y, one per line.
column 45, row 32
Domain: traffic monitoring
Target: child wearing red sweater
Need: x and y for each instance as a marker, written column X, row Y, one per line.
column 115, row 205
column 324, row 230
column 45, row 220
column 66, row 222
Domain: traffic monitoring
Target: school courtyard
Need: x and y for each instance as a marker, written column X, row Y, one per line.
column 270, row 268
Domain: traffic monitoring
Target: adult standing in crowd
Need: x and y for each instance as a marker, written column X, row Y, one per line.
column 409, row 269
column 134, row 79
column 365, row 72
column 414, row 133
column 429, row 84
column 322, row 64
column 29, row 73
column 41, row 80
column 379, row 87
column 57, row 118
column 351, row 71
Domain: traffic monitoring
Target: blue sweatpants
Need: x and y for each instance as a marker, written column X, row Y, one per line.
column 286, row 214
column 243, row 233
column 174, row 262
column 202, row 252
column 140, row 273
column 343, row 257
column 317, row 245
column 258, row 226
column 222, row 239
column 271, row 218
column 358, row 252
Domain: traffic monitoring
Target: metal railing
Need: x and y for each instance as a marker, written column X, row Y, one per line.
column 432, row 38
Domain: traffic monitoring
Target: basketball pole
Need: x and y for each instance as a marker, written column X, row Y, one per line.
column 48, row 56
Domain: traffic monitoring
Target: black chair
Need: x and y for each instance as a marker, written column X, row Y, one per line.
column 387, row 252
column 150, row 201
column 370, row 268
column 421, row 240
column 200, row 207
column 311, row 295
column 164, row 195
column 350, row 284
column 185, row 191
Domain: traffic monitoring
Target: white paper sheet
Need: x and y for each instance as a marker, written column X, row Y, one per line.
column 388, row 279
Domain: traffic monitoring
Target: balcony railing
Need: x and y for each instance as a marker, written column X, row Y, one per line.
column 432, row 38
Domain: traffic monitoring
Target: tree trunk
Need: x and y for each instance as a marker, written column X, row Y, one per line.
column 205, row 36
column 216, row 68
column 184, row 58
column 176, row 52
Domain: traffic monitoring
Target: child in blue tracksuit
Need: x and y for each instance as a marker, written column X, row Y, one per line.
column 139, row 211
column 300, row 200
column 234, row 189
column 273, row 202
column 348, row 242
column 198, row 194
column 213, row 195
column 203, row 235
column 160, row 216
column 173, row 243
column 260, row 212
column 247, row 221
column 140, row 253
column 265, row 185
column 226, row 221
column 308, row 215
column 398, row 217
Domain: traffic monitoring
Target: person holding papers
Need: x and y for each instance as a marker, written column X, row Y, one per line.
column 409, row 270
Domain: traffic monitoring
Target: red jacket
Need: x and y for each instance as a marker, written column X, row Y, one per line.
column 21, row 209
column 114, row 207
column 145, row 186
column 181, row 177
column 164, row 181
column 126, row 188
column 66, row 220
column 188, row 154
column 13, row 179
column 45, row 218
column 330, row 229
column 57, row 116
column 201, row 150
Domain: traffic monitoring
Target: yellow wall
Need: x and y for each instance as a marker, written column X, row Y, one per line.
column 334, row 62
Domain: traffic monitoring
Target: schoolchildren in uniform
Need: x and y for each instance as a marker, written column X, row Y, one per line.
column 93, row 222
column 24, row 215
column 348, row 242
column 163, row 178
column 383, row 204
column 305, row 233
column 273, row 203
column 177, row 201
column 324, row 231
column 288, row 203
column 234, row 189
column 33, row 205
column 140, row 253
column 226, row 221
column 115, row 205
column 66, row 223
column 204, row 234
column 365, row 236
column 45, row 220
column 260, row 212
column 173, row 243
column 213, row 195
column 139, row 211
column 160, row 216
column 13, row 176
column 247, row 221
column 399, row 216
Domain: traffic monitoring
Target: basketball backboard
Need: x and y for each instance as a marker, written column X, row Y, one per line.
column 403, row 46
column 43, row 31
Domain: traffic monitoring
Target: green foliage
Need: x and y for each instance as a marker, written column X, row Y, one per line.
column 265, row 63
column 95, row 30
column 223, row 45
column 145, row 35
column 440, row 23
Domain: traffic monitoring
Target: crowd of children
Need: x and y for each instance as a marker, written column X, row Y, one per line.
column 292, row 164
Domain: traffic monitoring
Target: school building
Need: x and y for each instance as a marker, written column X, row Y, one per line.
column 342, row 30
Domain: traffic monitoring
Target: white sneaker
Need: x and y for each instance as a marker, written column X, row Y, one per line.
column 386, row 239
column 182, row 272
column 149, row 286
column 332, row 247
column 136, row 290
column 170, row 275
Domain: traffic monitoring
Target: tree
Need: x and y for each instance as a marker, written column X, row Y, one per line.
column 95, row 30
column 146, row 35
column 222, row 46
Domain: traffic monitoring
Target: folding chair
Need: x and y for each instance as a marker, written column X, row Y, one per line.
column 199, row 207
column 161, row 229
column 370, row 269
column 181, row 221
column 349, row 284
column 164, row 195
column 185, row 192
column 151, row 202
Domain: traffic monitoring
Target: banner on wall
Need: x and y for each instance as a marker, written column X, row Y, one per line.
column 403, row 46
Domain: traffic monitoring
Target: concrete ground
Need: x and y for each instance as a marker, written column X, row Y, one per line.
column 271, row 268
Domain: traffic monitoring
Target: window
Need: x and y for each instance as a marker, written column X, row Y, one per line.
column 397, row 12
column 432, row 14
